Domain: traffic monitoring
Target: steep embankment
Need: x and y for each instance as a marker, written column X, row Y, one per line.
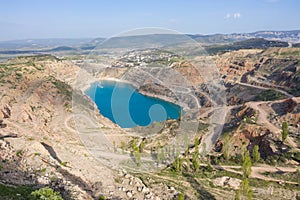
column 35, row 102
column 42, row 146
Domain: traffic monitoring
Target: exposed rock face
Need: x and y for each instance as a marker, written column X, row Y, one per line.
column 284, row 107
column 286, row 111
column 226, row 181
column 36, row 105
column 270, row 68
column 251, row 135
column 237, row 115
column 6, row 111
column 233, row 65
column 246, row 112
column 134, row 187
column 17, row 168
column 245, row 132
column 234, row 100
column 191, row 73
column 157, row 90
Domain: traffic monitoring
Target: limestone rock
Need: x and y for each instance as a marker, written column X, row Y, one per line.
column 226, row 181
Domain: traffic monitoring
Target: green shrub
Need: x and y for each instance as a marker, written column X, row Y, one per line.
column 269, row 95
column 180, row 196
column 45, row 194
column 15, row 192
column 19, row 153
column 102, row 197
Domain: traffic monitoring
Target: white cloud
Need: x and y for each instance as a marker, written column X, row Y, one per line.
column 236, row 15
column 228, row 15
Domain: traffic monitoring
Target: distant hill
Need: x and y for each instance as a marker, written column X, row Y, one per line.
column 151, row 40
column 286, row 36
column 62, row 48
column 41, row 43
column 214, row 39
column 296, row 45
column 214, row 43
column 38, row 51
column 253, row 43
column 259, row 43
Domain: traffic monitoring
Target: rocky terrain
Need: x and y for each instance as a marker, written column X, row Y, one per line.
column 40, row 144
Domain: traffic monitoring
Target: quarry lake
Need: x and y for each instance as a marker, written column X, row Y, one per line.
column 125, row 106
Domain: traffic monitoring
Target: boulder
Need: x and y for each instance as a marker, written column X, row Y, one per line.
column 129, row 194
column 226, row 181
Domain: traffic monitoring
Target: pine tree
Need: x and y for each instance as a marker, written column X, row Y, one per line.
column 195, row 161
column 196, row 142
column 285, row 132
column 237, row 195
column 227, row 147
column 255, row 154
column 133, row 145
column 243, row 150
column 246, row 168
column 246, row 189
column 247, row 164
column 178, row 164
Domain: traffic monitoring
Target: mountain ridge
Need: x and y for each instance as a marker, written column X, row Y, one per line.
column 292, row 36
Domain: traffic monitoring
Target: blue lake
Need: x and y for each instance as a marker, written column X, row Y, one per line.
column 125, row 106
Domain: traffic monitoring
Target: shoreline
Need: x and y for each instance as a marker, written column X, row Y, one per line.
column 182, row 107
column 148, row 94
column 164, row 98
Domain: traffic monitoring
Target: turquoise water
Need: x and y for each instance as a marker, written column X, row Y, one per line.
column 122, row 104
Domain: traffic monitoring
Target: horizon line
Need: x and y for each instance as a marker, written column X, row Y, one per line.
column 116, row 35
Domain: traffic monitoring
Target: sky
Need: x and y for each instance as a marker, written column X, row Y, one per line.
column 34, row 19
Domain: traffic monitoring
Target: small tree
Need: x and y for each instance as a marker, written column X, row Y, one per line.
column 227, row 147
column 246, row 189
column 122, row 146
column 243, row 150
column 188, row 163
column 136, row 152
column 195, row 161
column 285, row 131
column 247, row 164
column 255, row 154
column 178, row 164
column 196, row 142
column 137, row 157
column 237, row 195
column 134, row 146
column 142, row 147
